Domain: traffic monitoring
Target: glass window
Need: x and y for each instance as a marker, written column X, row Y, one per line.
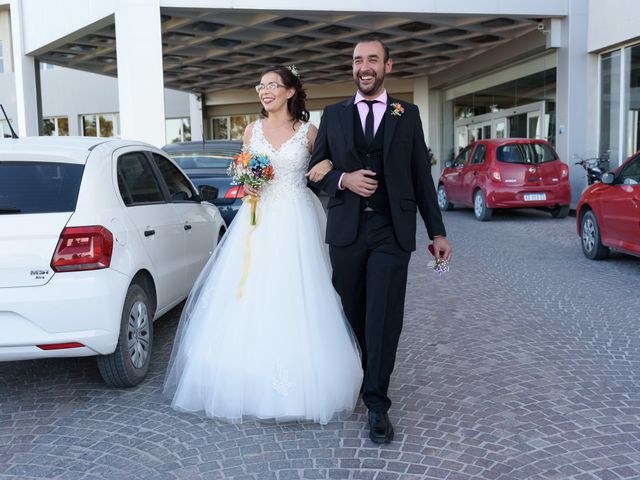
column 500, row 128
column 512, row 154
column 462, row 157
column 89, row 123
column 231, row 128
column 100, row 125
column 525, row 153
column 518, row 126
column 542, row 153
column 136, row 181
column 56, row 126
column 5, row 131
column 39, row 187
column 107, row 128
column 632, row 106
column 180, row 189
column 178, row 130
column 220, row 128
column 1, row 58
column 610, row 104
column 630, row 174
column 478, row 154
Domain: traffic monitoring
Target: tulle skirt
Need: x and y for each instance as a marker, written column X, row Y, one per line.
column 262, row 334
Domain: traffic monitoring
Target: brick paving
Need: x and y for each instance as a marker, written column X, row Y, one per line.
column 521, row 363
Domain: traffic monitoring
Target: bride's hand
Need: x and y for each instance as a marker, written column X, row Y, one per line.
column 319, row 170
column 249, row 190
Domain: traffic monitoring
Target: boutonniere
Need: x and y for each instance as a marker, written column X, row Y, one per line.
column 396, row 109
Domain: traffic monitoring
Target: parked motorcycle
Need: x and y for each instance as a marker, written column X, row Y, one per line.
column 594, row 167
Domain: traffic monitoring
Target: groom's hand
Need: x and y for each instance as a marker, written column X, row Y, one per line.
column 360, row 182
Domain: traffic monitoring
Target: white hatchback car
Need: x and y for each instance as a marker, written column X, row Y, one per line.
column 98, row 239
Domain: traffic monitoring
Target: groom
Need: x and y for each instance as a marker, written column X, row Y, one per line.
column 380, row 178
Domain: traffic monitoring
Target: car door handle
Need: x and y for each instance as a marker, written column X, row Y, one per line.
column 635, row 201
column 187, row 226
column 148, row 233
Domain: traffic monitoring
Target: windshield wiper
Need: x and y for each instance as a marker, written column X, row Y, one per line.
column 9, row 210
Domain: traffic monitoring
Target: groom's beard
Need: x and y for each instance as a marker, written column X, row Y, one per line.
column 373, row 88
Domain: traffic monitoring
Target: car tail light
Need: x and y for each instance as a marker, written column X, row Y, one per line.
column 60, row 346
column 494, row 174
column 565, row 171
column 236, row 191
column 83, row 248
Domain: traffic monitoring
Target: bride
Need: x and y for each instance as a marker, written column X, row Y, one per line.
column 262, row 334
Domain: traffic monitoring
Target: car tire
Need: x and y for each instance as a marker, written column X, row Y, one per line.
column 592, row 246
column 443, row 200
column 127, row 366
column 560, row 211
column 480, row 209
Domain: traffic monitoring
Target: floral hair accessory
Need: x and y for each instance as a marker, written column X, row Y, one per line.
column 396, row 109
column 293, row 69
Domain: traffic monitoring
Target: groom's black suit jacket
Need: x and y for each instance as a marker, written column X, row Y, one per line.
column 407, row 173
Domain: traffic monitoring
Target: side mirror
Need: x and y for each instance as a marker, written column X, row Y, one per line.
column 208, row 193
column 448, row 164
column 608, row 178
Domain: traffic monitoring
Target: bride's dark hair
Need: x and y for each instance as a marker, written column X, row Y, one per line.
column 297, row 103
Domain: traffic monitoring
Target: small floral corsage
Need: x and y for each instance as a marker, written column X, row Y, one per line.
column 396, row 109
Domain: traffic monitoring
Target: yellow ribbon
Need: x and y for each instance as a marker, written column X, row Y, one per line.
column 253, row 201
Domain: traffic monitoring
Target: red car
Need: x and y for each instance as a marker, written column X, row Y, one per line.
column 506, row 173
column 608, row 213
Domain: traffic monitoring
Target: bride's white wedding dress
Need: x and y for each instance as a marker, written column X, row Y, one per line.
column 276, row 344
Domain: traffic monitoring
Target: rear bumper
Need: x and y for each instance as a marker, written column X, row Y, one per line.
column 556, row 195
column 83, row 307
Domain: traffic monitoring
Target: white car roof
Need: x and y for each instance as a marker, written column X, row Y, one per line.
column 75, row 149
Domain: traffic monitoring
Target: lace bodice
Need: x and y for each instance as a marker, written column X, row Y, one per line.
column 290, row 162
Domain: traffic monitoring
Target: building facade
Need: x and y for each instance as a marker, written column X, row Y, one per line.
column 564, row 70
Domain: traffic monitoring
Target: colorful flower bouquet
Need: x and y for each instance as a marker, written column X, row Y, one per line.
column 253, row 169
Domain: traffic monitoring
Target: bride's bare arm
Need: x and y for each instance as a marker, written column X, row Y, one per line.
column 321, row 168
column 246, row 139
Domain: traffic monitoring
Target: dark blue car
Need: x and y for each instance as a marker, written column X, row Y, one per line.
column 205, row 163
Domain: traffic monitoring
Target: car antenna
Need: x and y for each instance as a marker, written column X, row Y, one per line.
column 13, row 132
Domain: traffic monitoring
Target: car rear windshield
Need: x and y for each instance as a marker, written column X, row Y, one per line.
column 39, row 187
column 190, row 161
column 525, row 153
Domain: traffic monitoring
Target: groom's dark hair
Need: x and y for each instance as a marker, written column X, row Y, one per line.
column 375, row 38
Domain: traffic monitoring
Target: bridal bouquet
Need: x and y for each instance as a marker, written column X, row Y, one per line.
column 253, row 169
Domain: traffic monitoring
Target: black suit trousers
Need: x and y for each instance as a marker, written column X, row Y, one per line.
column 370, row 275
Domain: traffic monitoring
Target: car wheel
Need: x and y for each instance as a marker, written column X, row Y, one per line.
column 480, row 209
column 128, row 364
column 443, row 200
column 592, row 246
column 560, row 211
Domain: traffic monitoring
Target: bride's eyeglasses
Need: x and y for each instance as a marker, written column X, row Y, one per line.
column 269, row 86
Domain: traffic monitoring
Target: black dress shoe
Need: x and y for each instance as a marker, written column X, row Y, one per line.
column 380, row 428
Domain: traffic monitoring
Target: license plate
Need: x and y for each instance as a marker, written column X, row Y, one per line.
column 534, row 197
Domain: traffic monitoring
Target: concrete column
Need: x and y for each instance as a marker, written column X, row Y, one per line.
column 421, row 99
column 576, row 99
column 195, row 114
column 140, row 80
column 25, row 77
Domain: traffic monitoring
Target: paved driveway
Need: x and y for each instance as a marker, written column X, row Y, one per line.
column 521, row 363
